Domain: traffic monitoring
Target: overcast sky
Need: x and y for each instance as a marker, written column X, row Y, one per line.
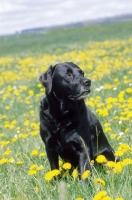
column 16, row 15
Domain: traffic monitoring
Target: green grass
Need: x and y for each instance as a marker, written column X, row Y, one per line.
column 104, row 53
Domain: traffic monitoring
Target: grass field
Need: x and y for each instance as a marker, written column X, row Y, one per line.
column 105, row 54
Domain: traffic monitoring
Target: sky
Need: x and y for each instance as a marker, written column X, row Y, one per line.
column 17, row 15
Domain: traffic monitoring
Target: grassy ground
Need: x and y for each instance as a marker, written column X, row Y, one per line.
column 105, row 54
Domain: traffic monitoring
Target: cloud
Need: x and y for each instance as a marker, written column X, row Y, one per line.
column 16, row 15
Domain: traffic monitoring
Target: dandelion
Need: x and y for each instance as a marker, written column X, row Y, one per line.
column 42, row 154
column 34, row 152
column 19, row 162
column 31, row 92
column 118, row 168
column 100, row 195
column 39, row 168
column 79, row 198
column 36, row 189
column 119, row 198
column 51, row 174
column 86, row 174
column 66, row 166
column 26, row 123
column 3, row 161
column 10, row 160
column 7, row 152
column 32, row 172
column 110, row 164
column 75, row 173
column 101, row 159
column 100, row 181
column 34, row 166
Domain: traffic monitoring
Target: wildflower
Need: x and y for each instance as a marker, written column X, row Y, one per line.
column 7, row 152
column 3, row 161
column 75, row 173
column 32, row 172
column 100, row 195
column 99, row 180
column 19, row 162
column 127, row 161
column 40, row 168
column 21, row 135
column 79, row 198
column 119, row 198
column 110, row 164
column 10, row 160
column 4, row 143
column 51, row 174
column 118, row 168
column 31, row 92
column 112, row 136
column 34, row 152
column 34, row 166
column 42, row 154
column 26, row 123
column 66, row 166
column 36, row 189
column 118, row 153
column 7, row 107
column 101, row 159
column 85, row 174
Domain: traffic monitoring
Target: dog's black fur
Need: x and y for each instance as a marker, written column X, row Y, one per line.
column 67, row 127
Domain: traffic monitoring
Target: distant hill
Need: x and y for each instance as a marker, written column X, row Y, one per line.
column 100, row 21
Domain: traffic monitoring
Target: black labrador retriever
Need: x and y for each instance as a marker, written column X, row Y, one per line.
column 67, row 127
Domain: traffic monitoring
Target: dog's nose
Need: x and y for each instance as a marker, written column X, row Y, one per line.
column 87, row 82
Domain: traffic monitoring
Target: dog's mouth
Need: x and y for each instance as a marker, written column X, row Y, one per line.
column 80, row 96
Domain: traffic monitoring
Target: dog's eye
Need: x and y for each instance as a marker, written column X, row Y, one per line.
column 81, row 72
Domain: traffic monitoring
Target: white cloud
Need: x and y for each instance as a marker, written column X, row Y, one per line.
column 16, row 15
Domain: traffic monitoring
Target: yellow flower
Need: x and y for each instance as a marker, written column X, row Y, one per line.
column 119, row 198
column 101, row 159
column 110, row 164
column 7, row 152
column 19, row 162
column 10, row 160
column 100, row 195
column 79, row 198
column 112, row 136
column 66, row 166
column 36, row 189
column 34, row 166
column 99, row 180
column 51, row 174
column 31, row 92
column 85, row 174
column 4, row 143
column 26, row 123
column 40, row 168
column 32, row 172
column 3, row 161
column 42, row 154
column 127, row 161
column 118, row 168
column 118, row 153
column 34, row 152
column 75, row 173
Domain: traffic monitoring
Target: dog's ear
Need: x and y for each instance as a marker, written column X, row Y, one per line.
column 46, row 79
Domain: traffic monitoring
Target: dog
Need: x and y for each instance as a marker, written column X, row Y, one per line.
column 67, row 127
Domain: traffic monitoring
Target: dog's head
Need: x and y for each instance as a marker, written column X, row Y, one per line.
column 66, row 80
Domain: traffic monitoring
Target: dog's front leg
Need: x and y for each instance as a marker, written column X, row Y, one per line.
column 84, row 162
column 53, row 159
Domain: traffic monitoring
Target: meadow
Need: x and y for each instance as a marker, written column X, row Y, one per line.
column 105, row 55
